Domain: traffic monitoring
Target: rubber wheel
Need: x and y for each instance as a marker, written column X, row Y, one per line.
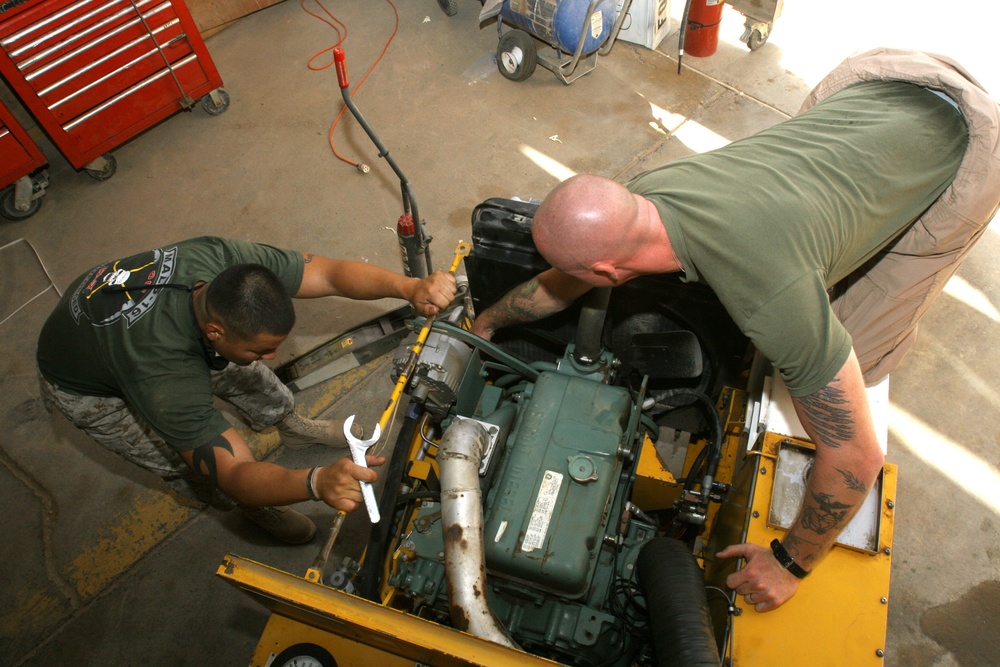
column 109, row 169
column 8, row 211
column 756, row 40
column 209, row 105
column 449, row 7
column 516, row 55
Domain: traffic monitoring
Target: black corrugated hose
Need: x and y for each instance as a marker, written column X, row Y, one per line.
column 370, row 575
column 674, row 589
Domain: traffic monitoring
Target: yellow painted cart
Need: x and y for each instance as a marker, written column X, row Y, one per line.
column 525, row 492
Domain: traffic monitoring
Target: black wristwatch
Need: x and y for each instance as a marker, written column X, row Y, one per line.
column 786, row 561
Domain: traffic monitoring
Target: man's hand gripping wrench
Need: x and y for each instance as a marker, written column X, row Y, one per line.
column 359, row 448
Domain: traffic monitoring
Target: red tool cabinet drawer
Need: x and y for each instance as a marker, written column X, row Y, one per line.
column 14, row 158
column 94, row 73
column 19, row 155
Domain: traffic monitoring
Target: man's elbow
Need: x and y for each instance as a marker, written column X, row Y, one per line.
column 872, row 461
column 235, row 483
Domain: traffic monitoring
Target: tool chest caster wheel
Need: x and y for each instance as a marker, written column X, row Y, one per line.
column 8, row 210
column 516, row 55
column 215, row 102
column 102, row 168
column 29, row 190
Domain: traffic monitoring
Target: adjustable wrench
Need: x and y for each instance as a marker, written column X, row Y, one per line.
column 358, row 449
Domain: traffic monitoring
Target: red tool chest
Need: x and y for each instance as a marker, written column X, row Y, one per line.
column 19, row 157
column 94, row 73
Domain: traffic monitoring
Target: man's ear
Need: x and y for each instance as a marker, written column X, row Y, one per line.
column 214, row 331
column 607, row 270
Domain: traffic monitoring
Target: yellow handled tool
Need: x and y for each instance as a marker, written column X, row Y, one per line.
column 315, row 572
column 461, row 251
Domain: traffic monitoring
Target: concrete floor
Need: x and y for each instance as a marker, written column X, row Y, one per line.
column 100, row 567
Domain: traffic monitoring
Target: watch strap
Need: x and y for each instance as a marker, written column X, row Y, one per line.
column 785, row 560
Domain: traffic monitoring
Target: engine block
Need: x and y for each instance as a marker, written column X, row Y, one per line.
column 547, row 513
column 557, row 532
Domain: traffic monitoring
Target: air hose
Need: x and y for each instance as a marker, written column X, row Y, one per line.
column 674, row 589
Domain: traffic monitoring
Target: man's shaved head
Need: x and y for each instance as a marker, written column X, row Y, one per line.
column 583, row 220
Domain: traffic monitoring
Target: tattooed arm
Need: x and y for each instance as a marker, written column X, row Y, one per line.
column 847, row 461
column 227, row 464
column 547, row 293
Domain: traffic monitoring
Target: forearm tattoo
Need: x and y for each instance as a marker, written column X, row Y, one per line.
column 823, row 514
column 519, row 304
column 852, row 481
column 829, row 412
column 794, row 544
column 307, row 257
column 203, row 459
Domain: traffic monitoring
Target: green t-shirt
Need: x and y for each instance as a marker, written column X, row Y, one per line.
column 144, row 345
column 771, row 221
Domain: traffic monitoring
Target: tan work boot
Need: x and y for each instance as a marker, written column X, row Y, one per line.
column 298, row 432
column 283, row 523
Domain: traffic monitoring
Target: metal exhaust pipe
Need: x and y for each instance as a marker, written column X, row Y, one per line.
column 459, row 455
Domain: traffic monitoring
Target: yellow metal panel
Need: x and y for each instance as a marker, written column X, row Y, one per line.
column 420, row 470
column 359, row 628
column 838, row 616
column 732, row 409
column 655, row 487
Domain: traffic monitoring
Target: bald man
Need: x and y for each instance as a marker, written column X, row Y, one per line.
column 876, row 191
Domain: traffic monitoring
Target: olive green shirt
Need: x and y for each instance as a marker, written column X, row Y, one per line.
column 771, row 221
column 144, row 345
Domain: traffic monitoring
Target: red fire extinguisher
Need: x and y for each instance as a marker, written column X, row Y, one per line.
column 701, row 36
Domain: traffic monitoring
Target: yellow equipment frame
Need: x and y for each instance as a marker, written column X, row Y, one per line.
column 839, row 614
column 358, row 632
column 837, row 617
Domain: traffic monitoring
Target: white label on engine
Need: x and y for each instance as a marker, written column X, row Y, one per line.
column 545, row 505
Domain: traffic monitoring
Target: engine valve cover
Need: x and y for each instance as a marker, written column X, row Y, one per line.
column 546, row 516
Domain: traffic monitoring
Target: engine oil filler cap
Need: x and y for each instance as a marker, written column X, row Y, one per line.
column 582, row 469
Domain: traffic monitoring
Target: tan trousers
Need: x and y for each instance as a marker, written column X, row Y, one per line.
column 881, row 303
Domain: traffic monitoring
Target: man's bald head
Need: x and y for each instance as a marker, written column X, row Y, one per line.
column 583, row 220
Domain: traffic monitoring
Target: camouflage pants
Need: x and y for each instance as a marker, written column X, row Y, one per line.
column 255, row 391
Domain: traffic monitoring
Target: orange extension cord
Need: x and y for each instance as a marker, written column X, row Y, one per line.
column 341, row 30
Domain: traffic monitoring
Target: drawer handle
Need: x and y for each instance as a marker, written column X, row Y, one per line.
column 174, row 40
